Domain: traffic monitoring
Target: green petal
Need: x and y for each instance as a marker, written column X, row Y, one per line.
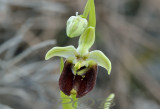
column 86, row 41
column 101, row 59
column 66, row 52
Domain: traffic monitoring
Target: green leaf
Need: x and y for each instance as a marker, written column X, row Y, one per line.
column 66, row 52
column 87, row 9
column 109, row 101
column 101, row 59
column 86, row 41
column 92, row 15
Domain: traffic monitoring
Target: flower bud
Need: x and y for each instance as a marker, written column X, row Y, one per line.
column 76, row 26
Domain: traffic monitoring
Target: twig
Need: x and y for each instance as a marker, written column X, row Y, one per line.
column 17, row 38
column 29, row 51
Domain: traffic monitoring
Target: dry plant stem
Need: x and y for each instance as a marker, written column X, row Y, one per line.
column 47, row 6
column 11, row 63
column 121, row 85
column 18, row 72
column 29, row 51
column 135, row 35
column 140, row 73
column 17, row 38
column 143, row 78
column 134, row 32
column 15, row 92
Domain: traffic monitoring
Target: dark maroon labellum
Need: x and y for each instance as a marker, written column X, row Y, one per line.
column 81, row 84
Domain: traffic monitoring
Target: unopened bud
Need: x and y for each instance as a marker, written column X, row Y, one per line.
column 76, row 26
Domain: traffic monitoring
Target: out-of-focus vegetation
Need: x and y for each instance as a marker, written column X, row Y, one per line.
column 128, row 32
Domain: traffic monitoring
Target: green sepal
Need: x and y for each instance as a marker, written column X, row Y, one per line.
column 66, row 52
column 86, row 41
column 61, row 65
column 100, row 59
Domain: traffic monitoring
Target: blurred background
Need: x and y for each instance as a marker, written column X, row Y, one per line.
column 128, row 32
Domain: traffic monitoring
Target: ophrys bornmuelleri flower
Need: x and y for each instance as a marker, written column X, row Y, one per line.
column 80, row 68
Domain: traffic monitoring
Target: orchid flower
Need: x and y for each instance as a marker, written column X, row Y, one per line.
column 80, row 68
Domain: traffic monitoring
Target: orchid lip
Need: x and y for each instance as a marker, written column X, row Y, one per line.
column 77, row 84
